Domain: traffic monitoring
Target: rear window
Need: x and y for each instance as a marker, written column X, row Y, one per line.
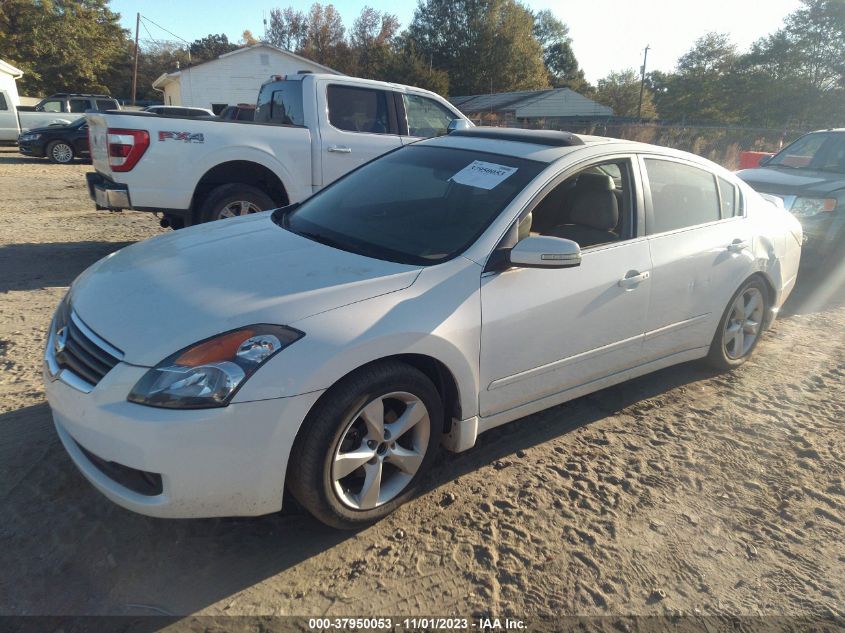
column 3, row 104
column 681, row 196
column 281, row 102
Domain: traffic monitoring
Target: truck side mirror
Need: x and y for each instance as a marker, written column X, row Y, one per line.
column 458, row 124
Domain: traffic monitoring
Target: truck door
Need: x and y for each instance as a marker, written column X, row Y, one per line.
column 8, row 118
column 361, row 126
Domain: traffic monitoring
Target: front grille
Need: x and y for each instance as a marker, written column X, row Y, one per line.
column 75, row 349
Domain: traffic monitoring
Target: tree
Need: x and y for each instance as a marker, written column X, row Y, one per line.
column 324, row 40
column 211, row 47
column 248, row 39
column 64, row 45
column 621, row 92
column 372, row 41
column 288, row 29
column 484, row 45
column 700, row 88
column 558, row 56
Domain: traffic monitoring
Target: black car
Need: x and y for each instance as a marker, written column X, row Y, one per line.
column 59, row 143
column 809, row 176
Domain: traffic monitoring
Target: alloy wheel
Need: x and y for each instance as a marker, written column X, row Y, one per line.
column 380, row 450
column 743, row 324
column 238, row 208
column 62, row 153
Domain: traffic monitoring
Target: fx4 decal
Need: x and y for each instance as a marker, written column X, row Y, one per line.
column 185, row 137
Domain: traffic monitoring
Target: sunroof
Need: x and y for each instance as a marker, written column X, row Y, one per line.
column 552, row 138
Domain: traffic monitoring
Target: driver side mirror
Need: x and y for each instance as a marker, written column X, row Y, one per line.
column 542, row 251
column 458, row 124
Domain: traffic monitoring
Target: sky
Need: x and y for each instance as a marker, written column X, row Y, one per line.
column 607, row 35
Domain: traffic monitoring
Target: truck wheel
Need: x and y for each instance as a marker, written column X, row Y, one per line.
column 233, row 200
column 60, row 152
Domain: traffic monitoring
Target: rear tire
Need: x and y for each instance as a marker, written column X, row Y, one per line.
column 740, row 327
column 233, row 200
column 364, row 448
column 60, row 152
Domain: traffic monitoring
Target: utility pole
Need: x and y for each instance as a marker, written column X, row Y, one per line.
column 642, row 83
column 135, row 71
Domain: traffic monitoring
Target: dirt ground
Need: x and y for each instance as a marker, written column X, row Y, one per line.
column 682, row 493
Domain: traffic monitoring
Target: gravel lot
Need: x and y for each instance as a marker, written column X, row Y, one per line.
column 683, row 492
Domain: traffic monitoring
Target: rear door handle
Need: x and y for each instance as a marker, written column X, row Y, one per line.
column 633, row 279
column 737, row 246
column 340, row 149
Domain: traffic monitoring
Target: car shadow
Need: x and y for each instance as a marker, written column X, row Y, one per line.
column 70, row 550
column 817, row 290
column 34, row 266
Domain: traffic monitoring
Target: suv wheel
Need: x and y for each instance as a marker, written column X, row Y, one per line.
column 233, row 200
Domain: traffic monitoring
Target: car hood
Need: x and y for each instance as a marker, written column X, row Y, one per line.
column 45, row 129
column 156, row 297
column 798, row 182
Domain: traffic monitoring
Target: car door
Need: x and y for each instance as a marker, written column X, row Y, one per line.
column 424, row 117
column 700, row 247
column 361, row 126
column 80, row 139
column 547, row 331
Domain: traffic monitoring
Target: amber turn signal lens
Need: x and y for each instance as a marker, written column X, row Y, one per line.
column 216, row 350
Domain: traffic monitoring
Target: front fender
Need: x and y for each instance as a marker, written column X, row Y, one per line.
column 439, row 316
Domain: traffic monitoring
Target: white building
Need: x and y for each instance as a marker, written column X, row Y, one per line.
column 8, row 75
column 231, row 78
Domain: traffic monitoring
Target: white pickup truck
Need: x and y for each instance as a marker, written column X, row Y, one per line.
column 309, row 130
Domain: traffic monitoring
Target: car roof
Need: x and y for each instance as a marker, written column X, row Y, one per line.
column 548, row 146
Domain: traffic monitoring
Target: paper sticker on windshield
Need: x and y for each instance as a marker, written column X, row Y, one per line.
column 483, row 175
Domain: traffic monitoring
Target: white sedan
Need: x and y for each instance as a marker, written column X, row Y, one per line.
column 435, row 293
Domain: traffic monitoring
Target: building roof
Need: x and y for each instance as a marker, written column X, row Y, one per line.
column 7, row 68
column 530, row 104
column 167, row 77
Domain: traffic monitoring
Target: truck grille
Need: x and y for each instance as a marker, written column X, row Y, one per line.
column 75, row 354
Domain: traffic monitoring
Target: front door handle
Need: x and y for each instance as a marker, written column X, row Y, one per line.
column 633, row 279
column 737, row 246
column 340, row 149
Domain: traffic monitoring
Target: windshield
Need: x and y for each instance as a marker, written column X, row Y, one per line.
column 824, row 151
column 418, row 205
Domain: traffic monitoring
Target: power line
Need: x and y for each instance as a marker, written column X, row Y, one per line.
column 146, row 19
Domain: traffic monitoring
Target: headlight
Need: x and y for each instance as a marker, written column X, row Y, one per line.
column 209, row 373
column 30, row 137
column 808, row 207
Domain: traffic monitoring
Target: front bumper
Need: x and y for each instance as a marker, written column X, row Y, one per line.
column 28, row 149
column 107, row 193
column 229, row 461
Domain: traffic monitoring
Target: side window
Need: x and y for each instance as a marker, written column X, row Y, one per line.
column 591, row 207
column 79, row 105
column 729, row 196
column 106, row 104
column 54, row 105
column 426, row 117
column 3, row 104
column 681, row 195
column 358, row 109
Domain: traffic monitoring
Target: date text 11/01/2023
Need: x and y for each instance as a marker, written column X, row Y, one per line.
column 412, row 624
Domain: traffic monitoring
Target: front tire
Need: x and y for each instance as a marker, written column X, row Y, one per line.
column 60, row 152
column 366, row 445
column 741, row 326
column 234, row 200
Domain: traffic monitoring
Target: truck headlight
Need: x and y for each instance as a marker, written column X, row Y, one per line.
column 808, row 207
column 209, row 373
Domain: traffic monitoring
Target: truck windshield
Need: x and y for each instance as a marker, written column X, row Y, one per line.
column 824, row 151
column 417, row 205
column 280, row 102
